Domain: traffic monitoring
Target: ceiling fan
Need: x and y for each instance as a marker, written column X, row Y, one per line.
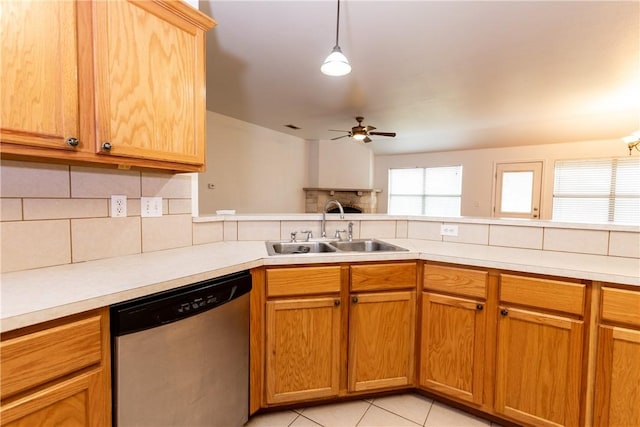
column 361, row 133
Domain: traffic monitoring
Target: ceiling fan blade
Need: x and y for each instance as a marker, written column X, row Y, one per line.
column 383, row 133
column 340, row 137
column 368, row 128
column 337, row 130
column 367, row 139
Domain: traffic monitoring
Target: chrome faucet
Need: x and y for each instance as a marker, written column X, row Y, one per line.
column 324, row 214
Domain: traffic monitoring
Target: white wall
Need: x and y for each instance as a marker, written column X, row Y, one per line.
column 478, row 169
column 254, row 169
column 340, row 164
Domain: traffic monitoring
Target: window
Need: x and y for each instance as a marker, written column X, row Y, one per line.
column 597, row 191
column 425, row 191
column 517, row 190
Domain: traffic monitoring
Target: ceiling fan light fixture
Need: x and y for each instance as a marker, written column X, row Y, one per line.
column 359, row 136
column 336, row 64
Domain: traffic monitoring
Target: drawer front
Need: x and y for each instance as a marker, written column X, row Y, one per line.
column 377, row 277
column 542, row 293
column 303, row 281
column 621, row 305
column 459, row 281
column 43, row 356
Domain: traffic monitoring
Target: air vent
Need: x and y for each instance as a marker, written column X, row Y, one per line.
column 294, row 127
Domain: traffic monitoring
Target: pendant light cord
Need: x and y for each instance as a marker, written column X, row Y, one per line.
column 337, row 23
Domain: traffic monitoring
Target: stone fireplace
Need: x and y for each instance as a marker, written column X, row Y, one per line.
column 363, row 200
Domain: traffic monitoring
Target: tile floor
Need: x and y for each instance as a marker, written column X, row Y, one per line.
column 404, row 410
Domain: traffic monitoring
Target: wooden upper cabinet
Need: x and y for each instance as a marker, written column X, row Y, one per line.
column 119, row 82
column 39, row 77
column 150, row 82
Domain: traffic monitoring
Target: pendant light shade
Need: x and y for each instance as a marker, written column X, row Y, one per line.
column 336, row 63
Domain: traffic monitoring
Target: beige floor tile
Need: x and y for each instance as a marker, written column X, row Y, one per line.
column 445, row 416
column 304, row 422
column 410, row 406
column 378, row 417
column 274, row 419
column 342, row 414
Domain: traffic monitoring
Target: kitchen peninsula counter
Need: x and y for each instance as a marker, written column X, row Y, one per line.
column 33, row 296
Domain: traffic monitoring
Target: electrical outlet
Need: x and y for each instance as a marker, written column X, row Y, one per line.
column 150, row 206
column 118, row 206
column 448, row 230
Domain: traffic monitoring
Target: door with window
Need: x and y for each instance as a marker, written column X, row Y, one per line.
column 517, row 190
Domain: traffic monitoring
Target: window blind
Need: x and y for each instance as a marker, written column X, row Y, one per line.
column 606, row 190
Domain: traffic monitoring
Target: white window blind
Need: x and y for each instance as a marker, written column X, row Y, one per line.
column 433, row 191
column 597, row 191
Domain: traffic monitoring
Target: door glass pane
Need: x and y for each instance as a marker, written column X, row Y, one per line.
column 517, row 191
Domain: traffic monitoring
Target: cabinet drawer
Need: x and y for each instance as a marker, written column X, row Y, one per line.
column 303, row 281
column 43, row 356
column 620, row 305
column 377, row 277
column 543, row 293
column 459, row 281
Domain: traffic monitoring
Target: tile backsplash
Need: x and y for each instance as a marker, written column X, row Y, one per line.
column 58, row 214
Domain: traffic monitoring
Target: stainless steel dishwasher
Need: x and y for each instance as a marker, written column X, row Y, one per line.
column 181, row 357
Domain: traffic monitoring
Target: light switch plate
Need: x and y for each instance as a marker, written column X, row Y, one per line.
column 150, row 207
column 448, row 230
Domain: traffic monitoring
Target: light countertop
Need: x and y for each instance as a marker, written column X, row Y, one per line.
column 33, row 296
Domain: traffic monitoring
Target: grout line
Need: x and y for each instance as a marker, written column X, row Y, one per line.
column 428, row 413
column 364, row 413
column 396, row 414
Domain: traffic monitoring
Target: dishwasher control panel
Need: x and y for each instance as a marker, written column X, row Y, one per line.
column 170, row 306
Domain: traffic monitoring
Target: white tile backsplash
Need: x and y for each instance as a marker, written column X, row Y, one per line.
column 624, row 244
column 575, row 240
column 65, row 208
column 87, row 182
column 516, row 237
column 258, row 230
column 207, row 232
column 477, row 234
column 166, row 185
column 425, row 230
column 34, row 244
column 166, row 232
column 98, row 238
column 10, row 209
column 378, row 229
column 27, row 179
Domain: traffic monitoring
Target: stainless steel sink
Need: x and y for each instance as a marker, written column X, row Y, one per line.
column 359, row 245
column 290, row 248
column 366, row 245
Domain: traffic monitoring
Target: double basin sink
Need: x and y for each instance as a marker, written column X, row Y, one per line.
column 356, row 245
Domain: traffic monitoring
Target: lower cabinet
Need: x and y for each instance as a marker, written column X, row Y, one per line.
column 617, row 388
column 381, row 340
column 452, row 343
column 302, row 349
column 539, row 351
column 452, row 346
column 57, row 373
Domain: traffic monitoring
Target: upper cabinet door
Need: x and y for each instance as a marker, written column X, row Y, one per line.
column 150, row 82
column 39, row 77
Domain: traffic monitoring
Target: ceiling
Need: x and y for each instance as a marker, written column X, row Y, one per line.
column 444, row 75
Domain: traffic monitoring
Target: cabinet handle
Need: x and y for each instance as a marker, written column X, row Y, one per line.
column 72, row 142
column 106, row 146
column 504, row 311
column 479, row 307
column 336, row 302
column 354, row 299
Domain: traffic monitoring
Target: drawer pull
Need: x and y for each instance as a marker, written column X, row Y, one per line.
column 106, row 146
column 336, row 302
column 479, row 307
column 72, row 142
column 354, row 299
column 504, row 311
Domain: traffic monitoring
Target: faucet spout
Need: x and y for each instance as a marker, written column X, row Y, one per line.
column 324, row 214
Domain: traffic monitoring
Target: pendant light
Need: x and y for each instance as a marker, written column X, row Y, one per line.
column 336, row 63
